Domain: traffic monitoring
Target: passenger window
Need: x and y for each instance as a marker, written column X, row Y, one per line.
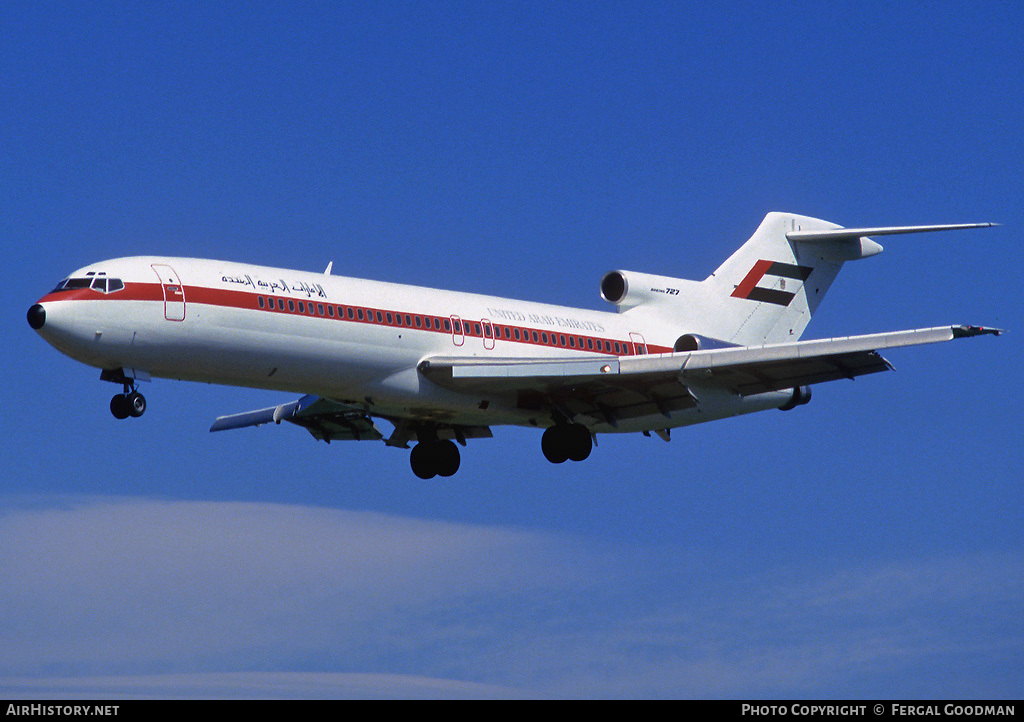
column 380, row 317
column 262, row 303
column 447, row 325
column 320, row 309
column 302, row 307
column 391, row 318
column 291, row 305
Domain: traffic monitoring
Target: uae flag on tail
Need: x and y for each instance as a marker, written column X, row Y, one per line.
column 766, row 282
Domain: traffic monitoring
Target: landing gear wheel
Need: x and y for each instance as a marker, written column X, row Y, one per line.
column 136, row 404
column 552, row 443
column 566, row 441
column 434, row 458
column 422, row 461
column 446, row 458
column 579, row 442
column 119, row 407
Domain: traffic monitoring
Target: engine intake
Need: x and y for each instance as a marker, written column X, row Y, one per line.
column 687, row 342
column 629, row 289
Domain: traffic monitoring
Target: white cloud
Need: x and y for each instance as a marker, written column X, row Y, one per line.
column 136, row 583
column 124, row 597
column 251, row 685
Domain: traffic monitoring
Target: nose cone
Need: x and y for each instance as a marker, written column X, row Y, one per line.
column 36, row 316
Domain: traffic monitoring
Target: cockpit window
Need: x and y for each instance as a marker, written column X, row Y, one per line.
column 98, row 282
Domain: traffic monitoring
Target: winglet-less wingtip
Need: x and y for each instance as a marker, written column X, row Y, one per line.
column 964, row 331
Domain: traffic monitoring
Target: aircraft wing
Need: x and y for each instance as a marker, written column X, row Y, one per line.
column 324, row 419
column 329, row 420
column 609, row 388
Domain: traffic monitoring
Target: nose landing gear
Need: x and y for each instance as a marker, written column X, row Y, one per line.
column 131, row 402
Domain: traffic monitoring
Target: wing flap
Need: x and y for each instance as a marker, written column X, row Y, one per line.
column 761, row 377
column 610, row 388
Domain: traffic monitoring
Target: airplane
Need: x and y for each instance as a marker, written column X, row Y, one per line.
column 443, row 367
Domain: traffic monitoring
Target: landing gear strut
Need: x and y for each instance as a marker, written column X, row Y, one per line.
column 563, row 442
column 431, row 458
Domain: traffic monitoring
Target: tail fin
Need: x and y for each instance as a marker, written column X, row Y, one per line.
column 767, row 291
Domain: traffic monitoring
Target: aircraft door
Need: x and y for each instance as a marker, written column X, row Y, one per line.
column 639, row 345
column 174, row 292
column 458, row 331
column 488, row 334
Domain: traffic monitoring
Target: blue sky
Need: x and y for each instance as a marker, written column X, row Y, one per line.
column 866, row 545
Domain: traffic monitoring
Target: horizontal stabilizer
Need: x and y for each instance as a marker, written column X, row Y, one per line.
column 847, row 234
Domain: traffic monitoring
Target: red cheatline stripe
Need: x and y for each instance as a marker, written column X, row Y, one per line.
column 247, row 300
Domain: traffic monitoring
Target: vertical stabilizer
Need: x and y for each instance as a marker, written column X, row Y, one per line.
column 767, row 291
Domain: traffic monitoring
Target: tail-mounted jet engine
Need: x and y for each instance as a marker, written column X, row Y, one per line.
column 629, row 289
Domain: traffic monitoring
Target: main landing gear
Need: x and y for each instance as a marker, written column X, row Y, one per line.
column 433, row 457
column 563, row 442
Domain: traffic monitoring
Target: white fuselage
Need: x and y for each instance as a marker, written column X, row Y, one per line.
column 351, row 340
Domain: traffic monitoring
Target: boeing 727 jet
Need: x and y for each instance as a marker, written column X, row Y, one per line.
column 443, row 367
